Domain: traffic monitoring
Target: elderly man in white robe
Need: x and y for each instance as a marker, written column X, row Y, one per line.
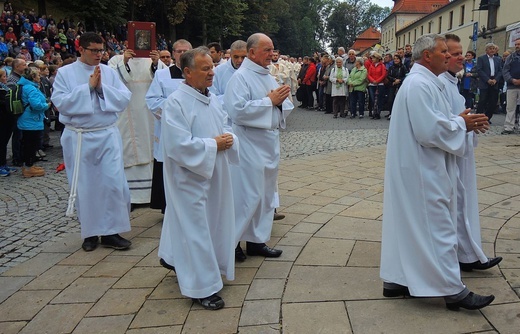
column 419, row 239
column 469, row 250
column 136, row 123
column 224, row 72
column 90, row 98
column 258, row 106
column 165, row 82
column 198, row 235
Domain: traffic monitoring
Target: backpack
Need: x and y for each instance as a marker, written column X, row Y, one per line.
column 13, row 100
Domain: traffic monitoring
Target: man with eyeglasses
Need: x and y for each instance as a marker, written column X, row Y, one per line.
column 166, row 57
column 165, row 82
column 136, row 123
column 90, row 98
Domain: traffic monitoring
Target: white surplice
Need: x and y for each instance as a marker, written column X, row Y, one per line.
column 136, row 126
column 468, row 230
column 103, row 197
column 162, row 86
column 222, row 75
column 419, row 240
column 255, row 122
column 198, row 234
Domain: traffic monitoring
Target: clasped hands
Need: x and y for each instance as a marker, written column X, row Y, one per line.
column 94, row 81
column 224, row 141
column 278, row 95
column 478, row 123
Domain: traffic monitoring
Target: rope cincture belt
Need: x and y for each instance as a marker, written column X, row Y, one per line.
column 77, row 157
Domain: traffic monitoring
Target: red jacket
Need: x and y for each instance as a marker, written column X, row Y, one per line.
column 376, row 72
column 310, row 75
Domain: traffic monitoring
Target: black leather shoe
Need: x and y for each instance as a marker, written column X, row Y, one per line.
column 115, row 241
column 479, row 265
column 254, row 249
column 166, row 265
column 471, row 302
column 239, row 254
column 278, row 216
column 396, row 292
column 89, row 244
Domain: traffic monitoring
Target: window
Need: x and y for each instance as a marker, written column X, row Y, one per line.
column 450, row 21
column 422, row 30
column 409, row 35
column 440, row 25
column 414, row 35
column 462, row 10
column 430, row 27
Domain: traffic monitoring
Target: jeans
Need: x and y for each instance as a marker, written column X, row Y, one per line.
column 357, row 97
column 374, row 91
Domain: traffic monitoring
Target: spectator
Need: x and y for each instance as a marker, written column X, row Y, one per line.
column 31, row 120
column 357, row 84
column 376, row 76
column 338, row 77
column 310, row 82
column 489, row 69
column 395, row 76
column 512, row 78
column 6, row 126
column 468, row 84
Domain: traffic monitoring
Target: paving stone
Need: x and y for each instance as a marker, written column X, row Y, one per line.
column 104, row 325
column 12, row 284
column 320, row 283
column 290, row 253
column 85, row 290
column 271, row 269
column 152, row 232
column 23, row 305
column 242, row 276
column 304, row 227
column 37, row 265
column 326, row 252
column 341, row 227
column 508, row 246
column 83, row 258
column 165, row 312
column 156, row 330
column 324, row 317
column 262, row 329
column 11, row 327
column 266, row 289
column 260, row 312
column 167, row 289
column 204, row 321
column 112, row 266
column 364, row 209
column 142, row 277
column 399, row 315
column 365, row 254
column 57, row 277
column 512, row 276
column 493, row 285
column 318, row 217
column 498, row 212
column 57, row 319
column 120, row 301
column 505, row 317
column 301, row 208
column 294, row 239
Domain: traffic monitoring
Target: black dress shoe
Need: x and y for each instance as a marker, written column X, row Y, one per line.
column 166, row 265
column 89, row 244
column 239, row 254
column 278, row 216
column 396, row 292
column 254, row 249
column 479, row 265
column 471, row 302
column 115, row 241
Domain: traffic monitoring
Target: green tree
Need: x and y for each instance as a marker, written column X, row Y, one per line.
column 98, row 14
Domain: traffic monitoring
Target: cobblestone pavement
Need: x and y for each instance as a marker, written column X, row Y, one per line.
column 32, row 210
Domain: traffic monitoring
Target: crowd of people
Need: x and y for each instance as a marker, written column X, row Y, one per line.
column 197, row 136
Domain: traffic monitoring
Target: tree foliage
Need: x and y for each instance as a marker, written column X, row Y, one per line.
column 297, row 27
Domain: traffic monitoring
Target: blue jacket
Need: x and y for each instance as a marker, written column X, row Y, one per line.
column 36, row 105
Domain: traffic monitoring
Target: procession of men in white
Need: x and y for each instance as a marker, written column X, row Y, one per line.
column 218, row 149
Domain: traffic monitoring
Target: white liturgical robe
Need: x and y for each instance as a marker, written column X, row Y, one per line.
column 468, row 221
column 162, row 86
column 255, row 122
column 419, row 240
column 222, row 75
column 136, row 126
column 103, row 198
column 198, row 235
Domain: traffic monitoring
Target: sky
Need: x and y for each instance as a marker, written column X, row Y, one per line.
column 383, row 3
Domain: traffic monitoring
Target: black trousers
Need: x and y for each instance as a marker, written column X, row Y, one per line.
column 6, row 130
column 30, row 144
column 157, row 198
column 487, row 102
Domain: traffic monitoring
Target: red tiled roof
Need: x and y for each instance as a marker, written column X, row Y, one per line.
column 361, row 45
column 370, row 33
column 418, row 6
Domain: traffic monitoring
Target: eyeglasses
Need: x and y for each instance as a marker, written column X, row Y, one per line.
column 95, row 50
